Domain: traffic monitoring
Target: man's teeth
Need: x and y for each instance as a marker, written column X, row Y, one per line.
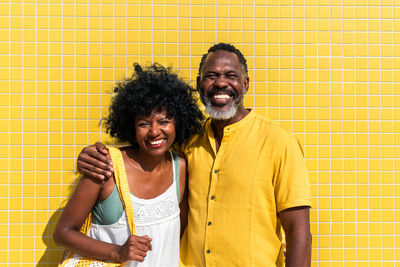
column 221, row 96
column 157, row 142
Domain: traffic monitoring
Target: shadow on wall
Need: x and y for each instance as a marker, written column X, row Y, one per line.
column 53, row 253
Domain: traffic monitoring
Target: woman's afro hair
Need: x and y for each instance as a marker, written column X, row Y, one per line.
column 153, row 89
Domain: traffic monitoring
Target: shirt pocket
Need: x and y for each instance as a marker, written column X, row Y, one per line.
column 263, row 192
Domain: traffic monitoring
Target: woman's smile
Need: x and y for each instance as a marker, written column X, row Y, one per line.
column 157, row 143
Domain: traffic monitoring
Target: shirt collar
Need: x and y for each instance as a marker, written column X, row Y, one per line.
column 234, row 126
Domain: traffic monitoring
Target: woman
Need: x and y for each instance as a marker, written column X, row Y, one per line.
column 151, row 111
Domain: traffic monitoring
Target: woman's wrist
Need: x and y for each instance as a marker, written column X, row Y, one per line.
column 114, row 255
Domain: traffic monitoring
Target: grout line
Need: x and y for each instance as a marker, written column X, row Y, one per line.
column 22, row 136
column 9, row 137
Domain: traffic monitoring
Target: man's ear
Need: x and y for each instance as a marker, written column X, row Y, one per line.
column 246, row 83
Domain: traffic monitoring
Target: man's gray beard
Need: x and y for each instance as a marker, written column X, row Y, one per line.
column 221, row 114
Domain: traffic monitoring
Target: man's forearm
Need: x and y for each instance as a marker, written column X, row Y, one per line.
column 296, row 224
column 298, row 250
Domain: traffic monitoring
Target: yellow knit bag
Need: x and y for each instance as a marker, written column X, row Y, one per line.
column 70, row 258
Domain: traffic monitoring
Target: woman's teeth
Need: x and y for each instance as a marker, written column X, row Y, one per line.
column 157, row 142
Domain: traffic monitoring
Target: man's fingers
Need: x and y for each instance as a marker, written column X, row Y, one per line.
column 94, row 172
column 97, row 161
column 93, row 153
column 101, row 148
column 93, row 175
column 94, row 166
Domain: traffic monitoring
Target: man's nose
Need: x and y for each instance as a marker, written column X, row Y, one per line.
column 221, row 81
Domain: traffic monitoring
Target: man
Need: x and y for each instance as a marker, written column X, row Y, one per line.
column 246, row 177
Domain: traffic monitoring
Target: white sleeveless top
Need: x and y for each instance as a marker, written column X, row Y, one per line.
column 157, row 218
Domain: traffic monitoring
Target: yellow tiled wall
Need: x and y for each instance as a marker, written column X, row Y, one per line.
column 327, row 70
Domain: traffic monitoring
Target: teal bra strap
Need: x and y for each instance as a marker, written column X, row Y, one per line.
column 177, row 164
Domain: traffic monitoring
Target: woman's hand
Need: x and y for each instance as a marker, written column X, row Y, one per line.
column 94, row 161
column 135, row 248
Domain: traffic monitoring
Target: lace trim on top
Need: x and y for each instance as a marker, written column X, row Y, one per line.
column 160, row 208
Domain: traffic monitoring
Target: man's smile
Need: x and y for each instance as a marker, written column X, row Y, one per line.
column 220, row 97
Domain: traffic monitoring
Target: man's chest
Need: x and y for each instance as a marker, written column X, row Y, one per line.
column 235, row 168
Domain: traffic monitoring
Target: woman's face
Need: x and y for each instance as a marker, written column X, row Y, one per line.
column 155, row 133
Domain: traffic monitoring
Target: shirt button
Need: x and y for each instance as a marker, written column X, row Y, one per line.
column 212, row 197
column 208, row 251
column 215, row 171
column 209, row 223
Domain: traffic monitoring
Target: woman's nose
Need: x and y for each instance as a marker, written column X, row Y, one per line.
column 155, row 130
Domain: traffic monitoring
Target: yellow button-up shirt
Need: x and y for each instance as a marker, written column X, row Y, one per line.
column 235, row 194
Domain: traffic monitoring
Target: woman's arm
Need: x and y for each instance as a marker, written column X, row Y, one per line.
column 67, row 232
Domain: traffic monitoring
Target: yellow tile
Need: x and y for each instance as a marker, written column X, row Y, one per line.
column 42, row 242
column 55, row 190
column 27, row 256
column 28, row 203
column 210, row 24
column 324, row 241
column 14, row 217
column 15, row 231
column 375, row 254
column 324, row 203
column 42, row 164
column 324, row 254
column 337, row 152
column 29, row 190
column 337, row 254
column 362, row 254
column 28, row 229
column 337, row 190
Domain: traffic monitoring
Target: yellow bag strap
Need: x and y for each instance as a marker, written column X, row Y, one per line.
column 124, row 193
column 86, row 225
column 122, row 185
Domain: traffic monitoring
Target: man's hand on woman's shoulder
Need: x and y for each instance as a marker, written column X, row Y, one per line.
column 94, row 161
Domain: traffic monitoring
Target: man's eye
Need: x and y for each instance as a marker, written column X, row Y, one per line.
column 210, row 76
